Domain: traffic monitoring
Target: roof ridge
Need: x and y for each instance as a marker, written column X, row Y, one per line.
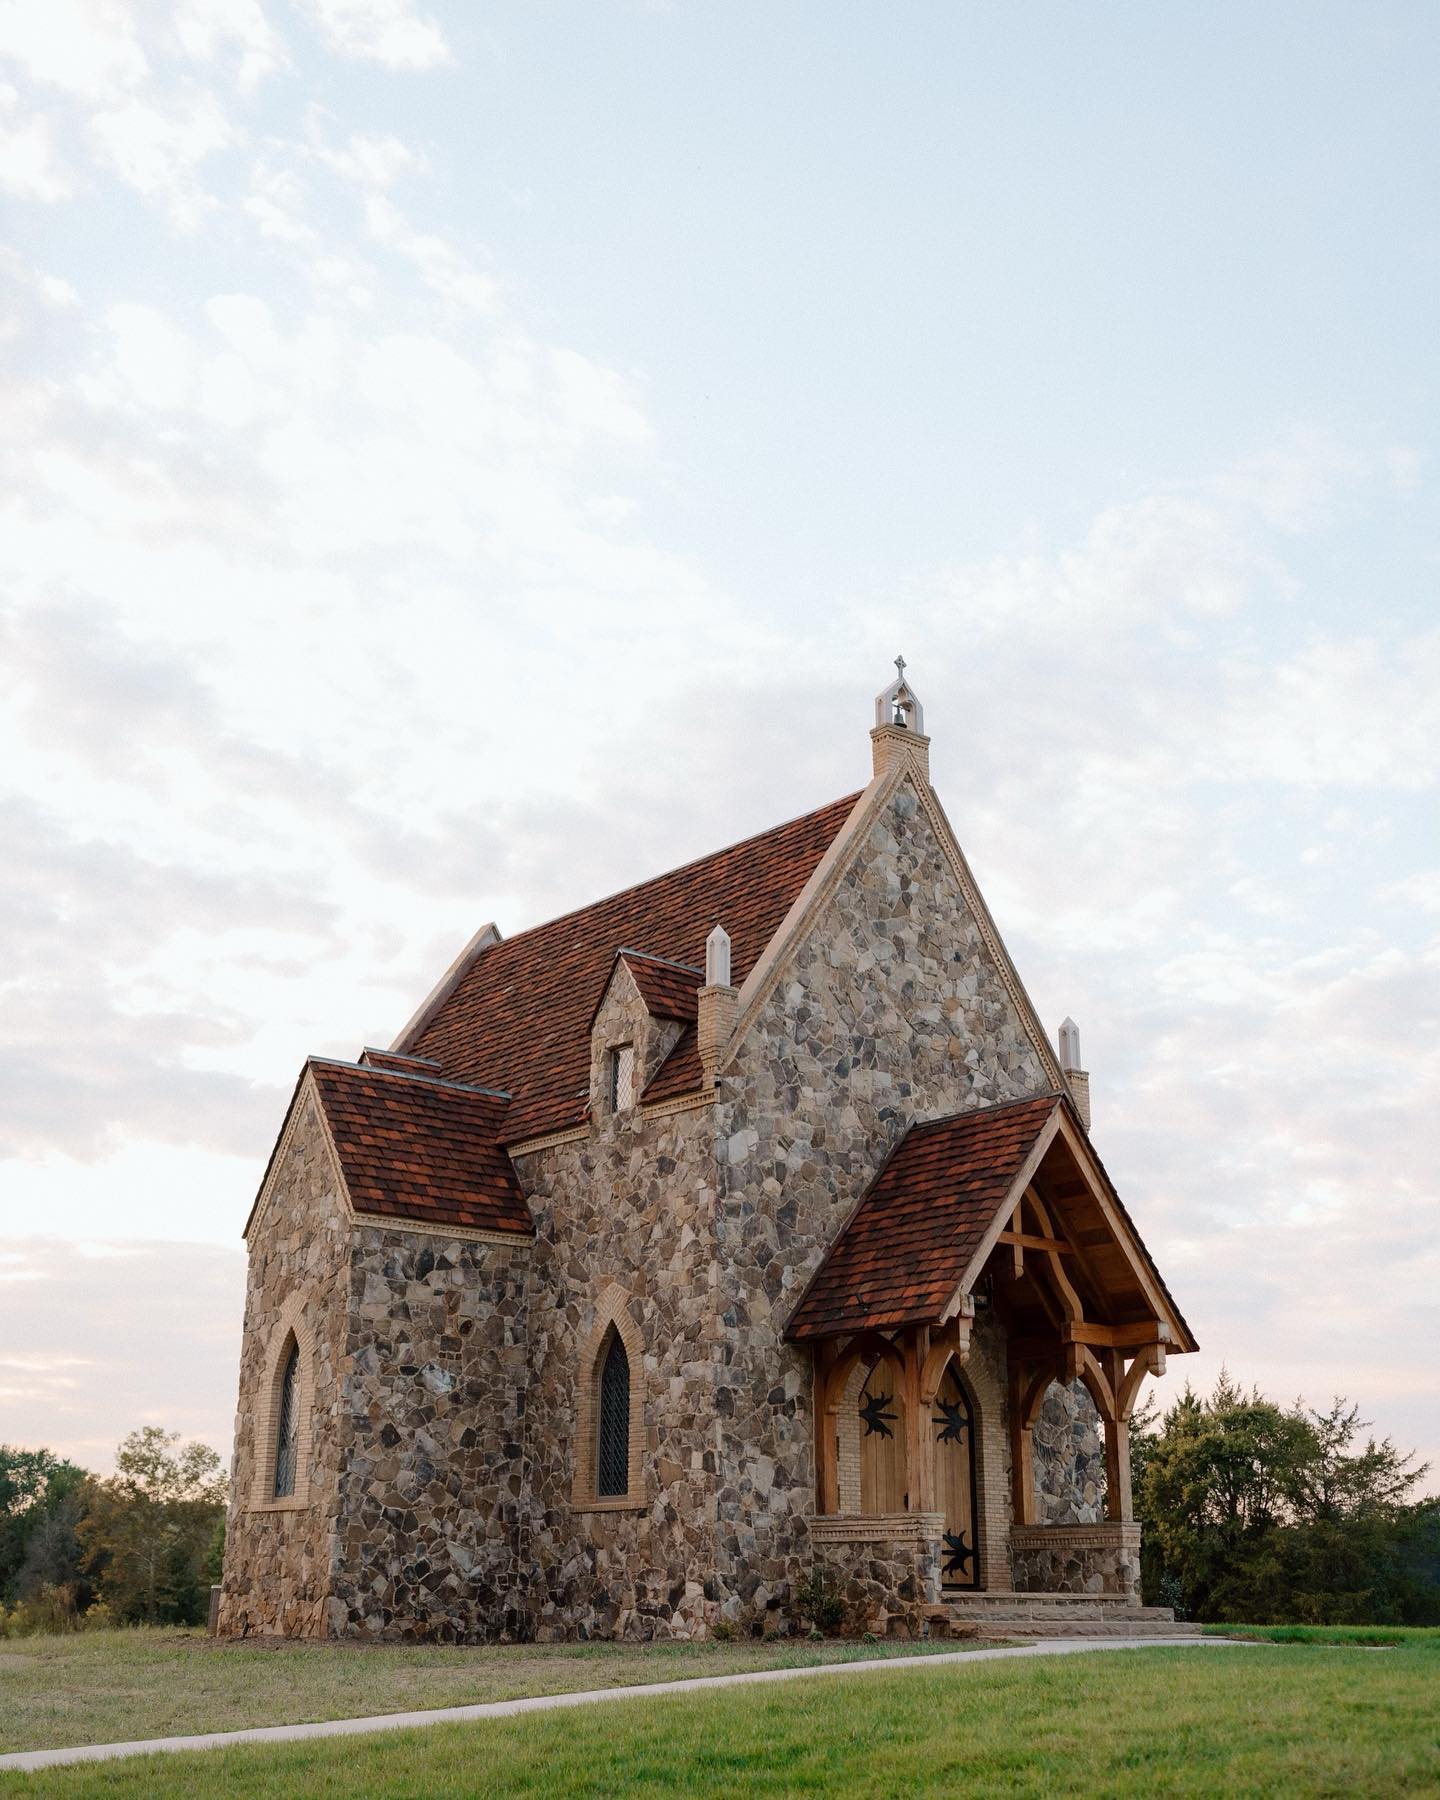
column 668, row 961
column 355, row 1068
column 680, row 869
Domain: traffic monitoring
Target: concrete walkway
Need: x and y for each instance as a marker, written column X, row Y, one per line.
column 509, row 1709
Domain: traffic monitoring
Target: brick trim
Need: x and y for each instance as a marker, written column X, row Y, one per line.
column 876, row 1528
column 519, row 1240
column 577, row 1134
column 265, row 1421
column 612, row 1309
column 662, row 1109
column 1107, row 1534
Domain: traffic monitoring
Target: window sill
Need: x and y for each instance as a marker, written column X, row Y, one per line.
column 292, row 1503
column 621, row 1503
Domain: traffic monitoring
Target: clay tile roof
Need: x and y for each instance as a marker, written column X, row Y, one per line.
column 911, row 1239
column 518, row 1019
column 669, row 989
column 413, row 1147
column 681, row 1071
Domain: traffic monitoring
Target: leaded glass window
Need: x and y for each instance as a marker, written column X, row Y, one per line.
column 287, row 1439
column 622, row 1078
column 613, row 1474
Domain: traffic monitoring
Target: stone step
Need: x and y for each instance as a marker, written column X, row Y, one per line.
column 1091, row 1628
column 986, row 1597
column 1079, row 1628
column 984, row 1615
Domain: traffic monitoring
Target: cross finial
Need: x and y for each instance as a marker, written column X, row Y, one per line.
column 900, row 666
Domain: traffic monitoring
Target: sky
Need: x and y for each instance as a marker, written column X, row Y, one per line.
column 459, row 460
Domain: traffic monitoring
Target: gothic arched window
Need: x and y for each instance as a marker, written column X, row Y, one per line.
column 287, row 1433
column 612, row 1463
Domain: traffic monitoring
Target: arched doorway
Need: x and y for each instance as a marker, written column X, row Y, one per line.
column 953, row 1434
column 882, row 1442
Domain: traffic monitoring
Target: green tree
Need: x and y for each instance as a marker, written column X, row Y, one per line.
column 1265, row 1513
column 33, row 1484
column 147, row 1532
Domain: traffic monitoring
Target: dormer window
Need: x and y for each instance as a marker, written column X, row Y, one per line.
column 622, row 1078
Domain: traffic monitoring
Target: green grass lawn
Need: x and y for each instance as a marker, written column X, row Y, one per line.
column 1415, row 1637
column 1207, row 1720
column 102, row 1687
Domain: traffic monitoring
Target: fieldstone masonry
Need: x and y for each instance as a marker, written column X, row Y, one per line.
column 886, row 1570
column 446, row 1497
column 1069, row 1446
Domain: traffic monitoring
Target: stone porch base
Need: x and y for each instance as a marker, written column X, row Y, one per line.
column 1077, row 1559
column 886, row 1566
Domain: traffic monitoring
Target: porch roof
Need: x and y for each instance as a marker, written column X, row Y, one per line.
column 919, row 1238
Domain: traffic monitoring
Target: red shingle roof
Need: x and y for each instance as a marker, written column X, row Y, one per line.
column 908, row 1245
column 518, row 1017
column 680, row 1073
column 669, row 989
column 412, row 1147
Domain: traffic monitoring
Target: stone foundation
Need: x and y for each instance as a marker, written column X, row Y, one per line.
column 886, row 1567
column 1076, row 1559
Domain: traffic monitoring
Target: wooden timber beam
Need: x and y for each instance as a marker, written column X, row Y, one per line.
column 827, row 1448
column 1029, row 1240
column 1149, row 1361
column 1069, row 1300
column 919, row 1462
column 952, row 1340
column 1140, row 1336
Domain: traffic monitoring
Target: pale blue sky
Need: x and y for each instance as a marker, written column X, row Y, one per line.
column 460, row 461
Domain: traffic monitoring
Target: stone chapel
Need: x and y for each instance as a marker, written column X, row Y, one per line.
column 741, row 1225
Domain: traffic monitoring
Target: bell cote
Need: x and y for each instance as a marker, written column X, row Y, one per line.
column 899, row 731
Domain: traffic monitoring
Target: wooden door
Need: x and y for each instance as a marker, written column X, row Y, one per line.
column 882, row 1442
column 953, row 1436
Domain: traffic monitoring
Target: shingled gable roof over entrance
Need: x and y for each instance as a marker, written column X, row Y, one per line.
column 916, row 1234
column 907, row 1246
column 518, row 1018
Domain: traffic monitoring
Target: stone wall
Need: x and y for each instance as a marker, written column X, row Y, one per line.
column 278, row 1554
column 1069, row 1458
column 1077, row 1559
column 886, row 1568
column 432, row 1517
column 890, row 1010
column 630, row 1205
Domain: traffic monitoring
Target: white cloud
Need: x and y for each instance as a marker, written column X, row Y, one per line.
column 208, row 29
column 29, row 163
column 158, row 149
column 391, row 32
column 1420, row 890
column 374, row 161
column 88, row 48
column 440, row 265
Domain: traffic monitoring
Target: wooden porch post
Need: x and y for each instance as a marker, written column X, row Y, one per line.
column 1118, row 1501
column 1022, row 1460
column 919, row 1464
column 827, row 1449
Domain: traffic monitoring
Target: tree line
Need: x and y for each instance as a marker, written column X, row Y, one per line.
column 139, row 1547
column 1261, row 1514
